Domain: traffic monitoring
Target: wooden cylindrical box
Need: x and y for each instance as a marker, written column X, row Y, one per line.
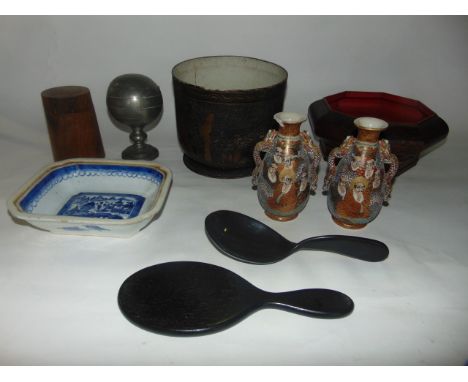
column 72, row 124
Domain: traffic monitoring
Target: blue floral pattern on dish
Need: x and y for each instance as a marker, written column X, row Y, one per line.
column 31, row 200
column 87, row 227
column 103, row 205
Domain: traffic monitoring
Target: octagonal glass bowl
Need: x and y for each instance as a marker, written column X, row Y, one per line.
column 413, row 128
column 96, row 197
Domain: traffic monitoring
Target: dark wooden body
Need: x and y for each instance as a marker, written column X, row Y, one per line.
column 218, row 130
column 72, row 124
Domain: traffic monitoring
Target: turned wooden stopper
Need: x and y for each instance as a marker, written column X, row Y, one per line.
column 72, row 124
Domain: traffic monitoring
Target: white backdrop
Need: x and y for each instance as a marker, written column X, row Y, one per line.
column 420, row 57
column 58, row 293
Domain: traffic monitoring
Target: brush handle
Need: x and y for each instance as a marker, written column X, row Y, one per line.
column 320, row 303
column 353, row 246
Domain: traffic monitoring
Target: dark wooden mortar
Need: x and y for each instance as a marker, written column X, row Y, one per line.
column 224, row 106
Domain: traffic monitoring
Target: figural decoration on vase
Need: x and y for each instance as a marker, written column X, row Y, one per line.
column 288, row 171
column 359, row 184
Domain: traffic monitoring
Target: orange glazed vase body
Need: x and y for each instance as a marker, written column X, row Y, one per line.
column 358, row 185
column 288, row 171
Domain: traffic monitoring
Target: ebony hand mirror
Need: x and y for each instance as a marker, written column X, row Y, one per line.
column 190, row 298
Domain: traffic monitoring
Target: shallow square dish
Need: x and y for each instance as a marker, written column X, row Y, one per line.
column 93, row 197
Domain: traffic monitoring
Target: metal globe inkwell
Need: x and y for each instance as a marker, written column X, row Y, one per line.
column 135, row 100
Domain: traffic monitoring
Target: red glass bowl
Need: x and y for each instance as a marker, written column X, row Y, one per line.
column 413, row 127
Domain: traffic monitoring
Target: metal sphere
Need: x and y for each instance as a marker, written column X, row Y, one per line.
column 134, row 100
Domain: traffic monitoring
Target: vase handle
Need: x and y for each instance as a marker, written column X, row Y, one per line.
column 338, row 152
column 392, row 161
column 264, row 145
column 314, row 155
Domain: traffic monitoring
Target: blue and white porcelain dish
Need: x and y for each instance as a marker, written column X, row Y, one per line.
column 93, row 197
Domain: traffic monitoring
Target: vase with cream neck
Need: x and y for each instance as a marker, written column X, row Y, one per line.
column 359, row 184
column 288, row 171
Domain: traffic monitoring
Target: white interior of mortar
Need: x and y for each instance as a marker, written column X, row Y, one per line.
column 229, row 73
